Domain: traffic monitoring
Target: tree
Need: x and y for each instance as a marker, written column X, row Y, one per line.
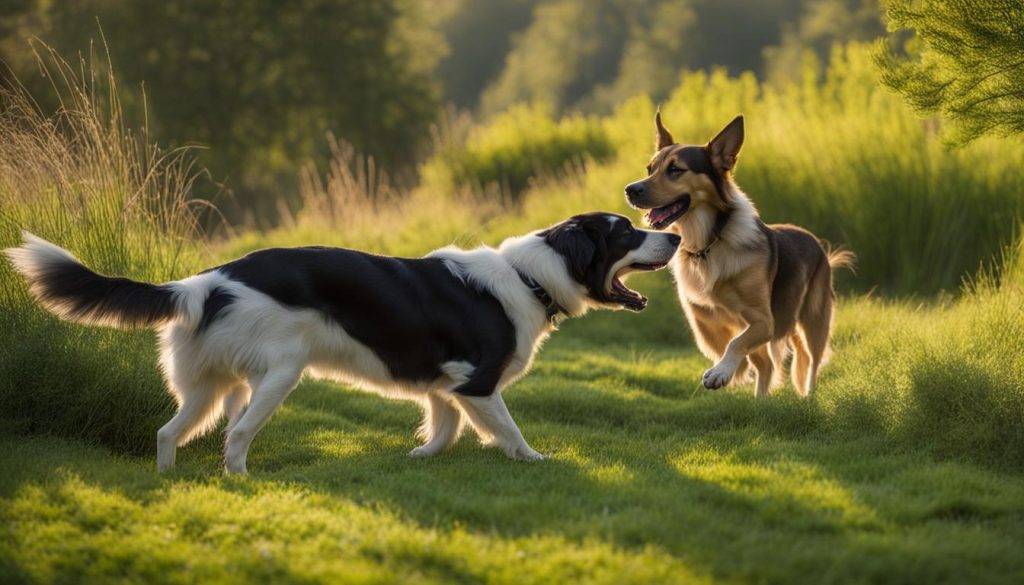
column 261, row 83
column 964, row 63
column 822, row 24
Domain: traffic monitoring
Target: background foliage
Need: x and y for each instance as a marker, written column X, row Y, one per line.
column 906, row 467
column 965, row 62
column 260, row 85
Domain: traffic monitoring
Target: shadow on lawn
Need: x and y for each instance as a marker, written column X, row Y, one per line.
column 732, row 487
column 716, row 481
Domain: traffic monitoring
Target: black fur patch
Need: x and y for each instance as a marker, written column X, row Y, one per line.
column 413, row 313
column 795, row 255
column 213, row 307
column 697, row 160
column 575, row 244
column 79, row 294
column 591, row 245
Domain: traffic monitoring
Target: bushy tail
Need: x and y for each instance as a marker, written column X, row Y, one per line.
column 840, row 258
column 65, row 287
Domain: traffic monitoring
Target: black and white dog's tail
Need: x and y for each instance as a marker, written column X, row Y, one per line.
column 70, row 290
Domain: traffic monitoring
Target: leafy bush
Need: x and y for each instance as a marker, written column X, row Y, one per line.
column 522, row 143
column 839, row 155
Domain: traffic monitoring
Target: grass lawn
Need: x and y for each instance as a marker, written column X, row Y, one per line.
column 651, row 479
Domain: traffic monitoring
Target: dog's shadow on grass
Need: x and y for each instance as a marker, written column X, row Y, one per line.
column 705, row 480
column 717, row 481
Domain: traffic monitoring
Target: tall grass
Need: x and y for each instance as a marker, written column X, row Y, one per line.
column 355, row 205
column 517, row 145
column 848, row 159
column 838, row 154
column 81, row 178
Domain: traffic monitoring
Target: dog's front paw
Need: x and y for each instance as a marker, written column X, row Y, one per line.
column 528, row 454
column 421, row 452
column 718, row 376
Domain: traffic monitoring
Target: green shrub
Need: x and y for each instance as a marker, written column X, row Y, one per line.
column 522, row 143
column 847, row 159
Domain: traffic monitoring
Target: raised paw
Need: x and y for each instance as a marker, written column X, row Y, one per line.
column 718, row 376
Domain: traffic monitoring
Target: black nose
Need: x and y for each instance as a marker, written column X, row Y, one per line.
column 635, row 189
column 674, row 240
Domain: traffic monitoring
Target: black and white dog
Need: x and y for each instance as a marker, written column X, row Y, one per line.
column 449, row 331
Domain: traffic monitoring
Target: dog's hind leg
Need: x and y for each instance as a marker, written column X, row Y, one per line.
column 801, row 361
column 765, row 370
column 199, row 409
column 494, row 425
column 235, row 402
column 816, row 322
column 442, row 425
column 268, row 392
column 778, row 349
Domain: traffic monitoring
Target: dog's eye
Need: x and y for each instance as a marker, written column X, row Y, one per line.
column 674, row 170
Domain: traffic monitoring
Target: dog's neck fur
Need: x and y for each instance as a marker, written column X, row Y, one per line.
column 498, row 271
column 532, row 256
column 740, row 230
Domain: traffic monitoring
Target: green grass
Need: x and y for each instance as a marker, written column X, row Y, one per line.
column 906, row 467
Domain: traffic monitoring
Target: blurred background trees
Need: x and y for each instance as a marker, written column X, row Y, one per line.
column 260, row 85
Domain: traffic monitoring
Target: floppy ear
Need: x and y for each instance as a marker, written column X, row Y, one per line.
column 724, row 149
column 662, row 137
column 573, row 242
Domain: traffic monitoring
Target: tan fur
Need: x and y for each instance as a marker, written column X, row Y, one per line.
column 755, row 293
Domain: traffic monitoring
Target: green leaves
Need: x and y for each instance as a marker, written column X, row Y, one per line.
column 965, row 64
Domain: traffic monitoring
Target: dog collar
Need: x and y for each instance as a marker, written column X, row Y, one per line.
column 551, row 307
column 716, row 234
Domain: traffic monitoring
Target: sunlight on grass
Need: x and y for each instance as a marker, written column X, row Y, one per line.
column 785, row 489
column 904, row 467
column 275, row 531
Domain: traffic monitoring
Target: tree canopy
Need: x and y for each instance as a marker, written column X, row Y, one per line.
column 965, row 63
column 261, row 83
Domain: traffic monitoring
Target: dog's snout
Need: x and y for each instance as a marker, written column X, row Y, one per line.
column 636, row 189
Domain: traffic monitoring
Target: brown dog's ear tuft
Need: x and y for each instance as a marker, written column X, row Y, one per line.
column 663, row 137
column 724, row 149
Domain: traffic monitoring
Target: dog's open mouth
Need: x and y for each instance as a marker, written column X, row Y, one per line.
column 662, row 217
column 626, row 296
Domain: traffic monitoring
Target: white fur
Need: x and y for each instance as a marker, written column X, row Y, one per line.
column 655, row 248
column 247, row 361
column 266, row 347
column 730, row 255
column 252, row 356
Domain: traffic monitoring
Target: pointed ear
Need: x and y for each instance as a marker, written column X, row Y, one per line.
column 663, row 137
column 725, row 148
column 573, row 242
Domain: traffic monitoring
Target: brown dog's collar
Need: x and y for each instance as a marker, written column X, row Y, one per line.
column 716, row 234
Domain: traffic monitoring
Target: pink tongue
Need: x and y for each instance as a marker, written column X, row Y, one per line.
column 660, row 214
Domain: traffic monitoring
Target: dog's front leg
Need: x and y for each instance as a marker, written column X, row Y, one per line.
column 758, row 332
column 493, row 423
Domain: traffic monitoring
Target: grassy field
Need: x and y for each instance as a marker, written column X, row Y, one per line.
column 906, row 467
column 651, row 479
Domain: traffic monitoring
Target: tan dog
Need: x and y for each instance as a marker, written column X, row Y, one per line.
column 751, row 292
